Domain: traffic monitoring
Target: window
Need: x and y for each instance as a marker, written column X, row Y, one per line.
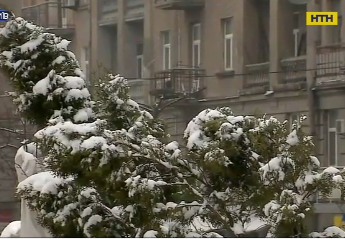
column 166, row 50
column 84, row 62
column 228, row 43
column 299, row 36
column 333, row 138
column 196, row 42
column 64, row 14
column 140, row 61
column 295, row 118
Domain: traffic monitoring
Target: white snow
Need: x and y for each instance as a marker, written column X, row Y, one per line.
column 59, row 60
column 150, row 234
column 63, row 45
column 42, row 87
column 338, row 179
column 253, row 224
column 88, row 192
column 74, row 82
column 93, row 220
column 43, row 182
column 83, row 115
column 12, row 229
column 315, row 161
column 292, row 138
column 329, row 233
column 194, row 133
column 33, row 44
column 269, row 92
column 93, row 142
column 331, row 170
column 201, row 225
column 62, row 214
column 276, row 165
column 75, row 94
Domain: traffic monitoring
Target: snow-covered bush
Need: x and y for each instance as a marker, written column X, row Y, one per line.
column 247, row 168
column 330, row 232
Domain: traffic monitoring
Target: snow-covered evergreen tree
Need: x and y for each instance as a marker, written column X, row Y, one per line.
column 107, row 175
column 45, row 76
column 248, row 168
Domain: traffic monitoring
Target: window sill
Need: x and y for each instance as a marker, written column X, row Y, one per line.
column 225, row 74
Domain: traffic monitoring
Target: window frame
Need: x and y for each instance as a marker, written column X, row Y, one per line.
column 332, row 129
column 140, row 58
column 196, row 43
column 292, row 117
column 329, row 131
column 228, row 37
column 85, row 63
column 296, row 33
column 166, row 45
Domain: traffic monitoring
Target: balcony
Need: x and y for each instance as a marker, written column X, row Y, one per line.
column 293, row 76
column 108, row 12
column 294, row 70
column 179, row 4
column 178, row 82
column 134, row 10
column 138, row 90
column 256, row 80
column 330, row 64
column 52, row 16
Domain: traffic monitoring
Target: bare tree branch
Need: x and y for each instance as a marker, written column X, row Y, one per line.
column 11, row 131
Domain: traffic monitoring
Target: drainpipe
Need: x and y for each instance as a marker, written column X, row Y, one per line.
column 178, row 39
column 311, row 74
column 90, row 47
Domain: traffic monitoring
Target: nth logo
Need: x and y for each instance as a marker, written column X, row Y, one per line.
column 322, row 18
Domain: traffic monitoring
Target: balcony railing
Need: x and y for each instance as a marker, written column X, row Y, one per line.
column 294, row 70
column 179, row 4
column 109, row 6
column 108, row 12
column 134, row 10
column 177, row 82
column 257, row 75
column 50, row 15
column 138, row 90
column 330, row 62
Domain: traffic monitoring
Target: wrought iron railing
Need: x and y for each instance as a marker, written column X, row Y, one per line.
column 178, row 81
column 293, row 69
column 49, row 15
column 257, row 74
column 330, row 61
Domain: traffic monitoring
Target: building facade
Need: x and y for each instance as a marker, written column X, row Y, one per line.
column 256, row 56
